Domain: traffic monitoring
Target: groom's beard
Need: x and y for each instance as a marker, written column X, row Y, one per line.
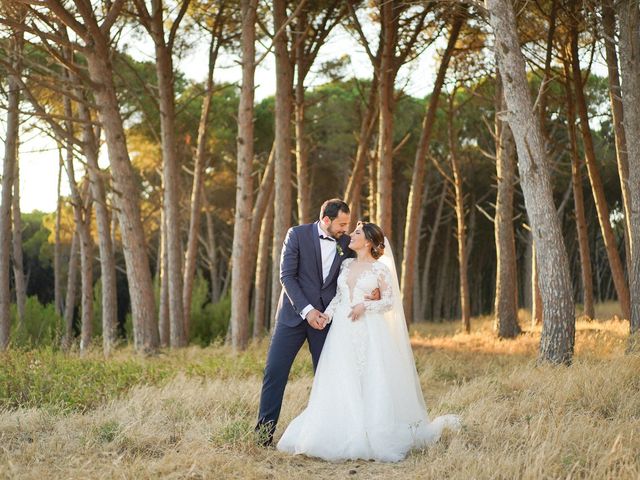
column 335, row 234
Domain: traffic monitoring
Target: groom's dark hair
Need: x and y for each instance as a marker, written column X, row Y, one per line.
column 332, row 208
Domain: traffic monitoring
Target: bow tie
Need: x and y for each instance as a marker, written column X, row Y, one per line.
column 322, row 237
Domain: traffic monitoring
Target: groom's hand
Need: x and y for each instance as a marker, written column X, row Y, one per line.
column 374, row 295
column 315, row 319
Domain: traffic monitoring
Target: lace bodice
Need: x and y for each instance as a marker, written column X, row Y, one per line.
column 358, row 279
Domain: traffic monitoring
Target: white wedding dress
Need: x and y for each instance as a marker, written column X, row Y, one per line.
column 366, row 401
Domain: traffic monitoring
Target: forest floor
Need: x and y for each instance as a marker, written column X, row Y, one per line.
column 190, row 413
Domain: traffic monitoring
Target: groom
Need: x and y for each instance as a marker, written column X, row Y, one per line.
column 309, row 266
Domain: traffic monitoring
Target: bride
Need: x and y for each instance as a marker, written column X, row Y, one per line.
column 366, row 400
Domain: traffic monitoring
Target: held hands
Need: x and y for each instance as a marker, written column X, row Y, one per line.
column 317, row 319
column 356, row 312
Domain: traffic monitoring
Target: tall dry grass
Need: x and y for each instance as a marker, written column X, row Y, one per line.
column 520, row 420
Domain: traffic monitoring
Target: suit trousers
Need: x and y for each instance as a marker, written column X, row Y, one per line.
column 285, row 345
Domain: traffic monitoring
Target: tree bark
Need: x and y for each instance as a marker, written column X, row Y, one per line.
column 617, row 112
column 354, row 186
column 105, row 245
column 388, row 70
column 8, row 172
column 212, row 258
column 126, row 195
column 558, row 332
column 72, row 295
column 629, row 20
column 424, row 304
column 373, row 186
column 242, row 269
column 163, row 309
column 57, row 262
column 262, row 273
column 170, row 173
column 282, row 199
column 461, row 228
column 302, row 147
column 195, row 211
column 578, row 199
column 443, row 276
column 597, row 189
column 18, row 260
column 506, row 295
column 82, row 217
column 415, row 201
column 98, row 55
column 261, row 205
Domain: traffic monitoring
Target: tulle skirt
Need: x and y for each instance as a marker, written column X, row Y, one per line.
column 366, row 401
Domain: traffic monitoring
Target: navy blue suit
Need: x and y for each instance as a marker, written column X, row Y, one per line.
column 302, row 281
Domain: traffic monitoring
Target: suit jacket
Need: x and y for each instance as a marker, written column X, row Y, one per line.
column 301, row 273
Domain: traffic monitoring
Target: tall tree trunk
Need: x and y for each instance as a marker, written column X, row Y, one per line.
column 126, row 195
column 506, row 295
column 389, row 39
column 262, row 273
column 578, row 199
column 242, row 269
column 558, row 331
column 629, row 20
column 617, row 112
column 195, row 211
column 18, row 261
column 82, row 217
column 86, row 276
column 284, row 82
column 8, row 172
column 373, row 186
column 443, row 275
column 170, row 175
column 415, row 202
column 212, row 258
column 105, row 245
column 72, row 293
column 302, row 148
column 354, row 186
column 261, row 205
column 597, row 189
column 461, row 228
column 424, row 304
column 57, row 262
column 163, row 309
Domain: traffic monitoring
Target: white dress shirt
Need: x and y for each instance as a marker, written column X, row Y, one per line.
column 328, row 254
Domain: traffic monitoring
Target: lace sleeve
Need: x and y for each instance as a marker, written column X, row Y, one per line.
column 386, row 292
column 331, row 308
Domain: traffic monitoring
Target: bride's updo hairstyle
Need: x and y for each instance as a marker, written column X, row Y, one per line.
column 374, row 234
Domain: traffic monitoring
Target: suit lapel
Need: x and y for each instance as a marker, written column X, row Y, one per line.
column 336, row 263
column 315, row 239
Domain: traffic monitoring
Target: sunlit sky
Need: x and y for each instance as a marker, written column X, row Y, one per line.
column 39, row 153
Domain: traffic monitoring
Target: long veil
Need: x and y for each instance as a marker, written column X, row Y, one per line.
column 397, row 325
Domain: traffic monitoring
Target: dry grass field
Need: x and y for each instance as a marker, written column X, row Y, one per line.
column 189, row 414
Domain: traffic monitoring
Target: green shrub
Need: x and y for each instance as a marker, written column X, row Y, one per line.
column 52, row 379
column 42, row 326
column 209, row 321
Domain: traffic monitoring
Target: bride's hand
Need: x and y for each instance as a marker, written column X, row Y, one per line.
column 356, row 312
column 374, row 295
